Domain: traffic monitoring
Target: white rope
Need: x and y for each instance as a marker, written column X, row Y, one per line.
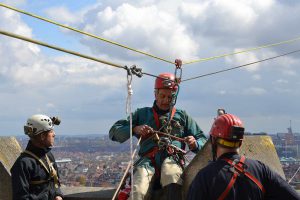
column 128, row 111
column 294, row 175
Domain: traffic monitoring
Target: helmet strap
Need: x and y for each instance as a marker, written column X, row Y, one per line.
column 213, row 148
column 229, row 144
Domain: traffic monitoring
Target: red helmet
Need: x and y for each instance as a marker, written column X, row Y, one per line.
column 165, row 81
column 228, row 127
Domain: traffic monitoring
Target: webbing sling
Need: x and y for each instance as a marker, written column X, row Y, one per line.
column 51, row 171
column 239, row 169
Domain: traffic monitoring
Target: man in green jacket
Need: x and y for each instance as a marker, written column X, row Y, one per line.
column 160, row 156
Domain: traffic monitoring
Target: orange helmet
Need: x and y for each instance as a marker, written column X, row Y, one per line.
column 228, row 127
column 165, row 81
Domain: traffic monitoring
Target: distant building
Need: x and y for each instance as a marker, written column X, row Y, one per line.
column 287, row 144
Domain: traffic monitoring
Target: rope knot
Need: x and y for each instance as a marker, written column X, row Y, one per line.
column 129, row 89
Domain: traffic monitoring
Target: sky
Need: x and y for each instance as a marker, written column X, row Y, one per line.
column 89, row 96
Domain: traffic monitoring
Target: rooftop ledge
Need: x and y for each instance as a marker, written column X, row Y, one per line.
column 88, row 193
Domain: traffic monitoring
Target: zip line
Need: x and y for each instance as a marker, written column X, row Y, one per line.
column 240, row 66
column 60, row 49
column 85, row 33
column 244, row 51
column 145, row 53
column 134, row 70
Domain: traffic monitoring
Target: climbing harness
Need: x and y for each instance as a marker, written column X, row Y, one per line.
column 50, row 169
column 238, row 168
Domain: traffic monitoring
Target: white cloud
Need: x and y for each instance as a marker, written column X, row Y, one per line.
column 282, row 81
column 222, row 92
column 254, row 91
column 146, row 28
column 35, row 74
column 242, row 59
column 65, row 15
column 14, row 2
column 78, row 71
column 256, row 77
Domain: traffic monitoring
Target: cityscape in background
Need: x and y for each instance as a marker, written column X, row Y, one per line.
column 96, row 161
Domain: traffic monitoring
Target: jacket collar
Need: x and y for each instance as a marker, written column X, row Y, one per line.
column 37, row 150
column 158, row 110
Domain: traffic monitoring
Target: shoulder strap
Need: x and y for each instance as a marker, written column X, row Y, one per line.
column 239, row 169
column 233, row 179
column 38, row 159
column 51, row 170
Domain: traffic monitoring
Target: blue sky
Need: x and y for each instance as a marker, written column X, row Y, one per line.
column 90, row 97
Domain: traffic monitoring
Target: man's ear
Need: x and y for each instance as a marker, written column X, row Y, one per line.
column 155, row 93
column 43, row 136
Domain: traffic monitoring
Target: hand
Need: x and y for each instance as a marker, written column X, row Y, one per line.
column 191, row 142
column 58, row 198
column 143, row 130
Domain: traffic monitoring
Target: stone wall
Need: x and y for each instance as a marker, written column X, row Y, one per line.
column 9, row 151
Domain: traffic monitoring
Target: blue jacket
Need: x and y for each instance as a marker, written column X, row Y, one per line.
column 212, row 181
column 27, row 169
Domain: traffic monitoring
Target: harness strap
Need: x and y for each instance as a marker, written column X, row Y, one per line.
column 233, row 179
column 239, row 169
column 156, row 118
column 51, row 170
column 39, row 182
column 38, row 159
column 151, row 154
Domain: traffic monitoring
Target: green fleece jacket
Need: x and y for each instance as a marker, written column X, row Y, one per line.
column 182, row 126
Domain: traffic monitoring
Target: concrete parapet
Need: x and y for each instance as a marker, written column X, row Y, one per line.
column 88, row 193
column 9, row 152
column 257, row 147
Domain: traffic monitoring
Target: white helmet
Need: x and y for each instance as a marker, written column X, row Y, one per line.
column 37, row 124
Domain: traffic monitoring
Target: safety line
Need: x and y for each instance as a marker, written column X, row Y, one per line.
column 244, row 51
column 228, row 69
column 60, row 49
column 145, row 53
column 294, row 175
column 85, row 33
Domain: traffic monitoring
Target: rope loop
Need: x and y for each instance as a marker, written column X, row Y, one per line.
column 129, row 89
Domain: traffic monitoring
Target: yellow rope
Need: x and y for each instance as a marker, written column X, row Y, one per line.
column 59, row 49
column 243, row 51
column 84, row 33
column 144, row 53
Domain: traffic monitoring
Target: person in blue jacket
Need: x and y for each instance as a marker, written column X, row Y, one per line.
column 34, row 174
column 160, row 157
column 233, row 176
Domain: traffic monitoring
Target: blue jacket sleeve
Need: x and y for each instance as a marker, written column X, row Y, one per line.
column 20, row 177
column 277, row 187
